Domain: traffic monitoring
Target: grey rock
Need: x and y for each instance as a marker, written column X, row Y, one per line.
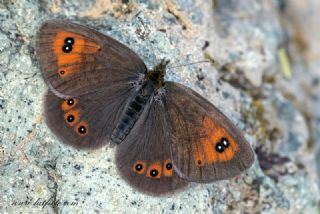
column 38, row 174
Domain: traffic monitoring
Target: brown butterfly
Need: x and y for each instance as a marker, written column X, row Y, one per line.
column 101, row 92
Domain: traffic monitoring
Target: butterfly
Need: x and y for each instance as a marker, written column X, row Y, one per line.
column 101, row 93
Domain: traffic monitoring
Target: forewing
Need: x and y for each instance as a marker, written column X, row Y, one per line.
column 76, row 60
column 205, row 145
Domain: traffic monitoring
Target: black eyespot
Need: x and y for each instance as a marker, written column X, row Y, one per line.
column 70, row 118
column 219, row 147
column 169, row 166
column 82, row 130
column 69, row 41
column 225, row 142
column 139, row 167
column 70, row 102
column 154, row 173
column 199, row 162
column 62, row 72
column 67, row 48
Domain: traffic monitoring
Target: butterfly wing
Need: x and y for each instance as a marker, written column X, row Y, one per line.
column 143, row 158
column 86, row 121
column 76, row 60
column 205, row 145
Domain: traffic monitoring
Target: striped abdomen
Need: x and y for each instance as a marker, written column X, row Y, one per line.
column 132, row 113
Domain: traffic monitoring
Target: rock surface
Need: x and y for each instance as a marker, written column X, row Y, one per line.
column 279, row 113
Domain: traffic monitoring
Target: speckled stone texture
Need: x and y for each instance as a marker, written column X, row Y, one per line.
column 279, row 116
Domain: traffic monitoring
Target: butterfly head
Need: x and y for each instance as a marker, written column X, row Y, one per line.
column 158, row 72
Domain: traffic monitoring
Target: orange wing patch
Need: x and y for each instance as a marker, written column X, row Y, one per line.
column 71, row 48
column 155, row 170
column 68, row 104
column 198, row 155
column 72, row 117
column 217, row 146
column 209, row 151
column 82, row 128
column 168, row 168
column 139, row 167
column 68, row 70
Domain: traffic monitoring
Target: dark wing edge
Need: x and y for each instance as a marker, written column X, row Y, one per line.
column 186, row 109
column 114, row 59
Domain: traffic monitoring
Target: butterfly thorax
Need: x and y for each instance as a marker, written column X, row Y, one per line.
column 152, row 81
